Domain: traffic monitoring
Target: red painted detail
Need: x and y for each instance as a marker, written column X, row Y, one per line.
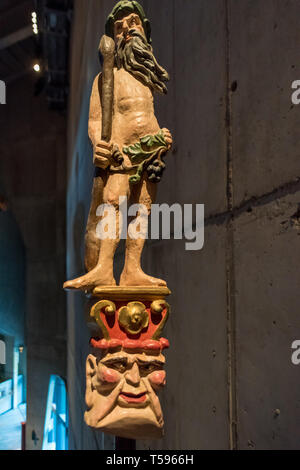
column 115, row 331
column 99, row 344
column 132, row 344
column 115, row 343
column 109, row 376
column 165, row 344
column 151, row 344
column 158, row 378
column 23, row 436
column 131, row 398
column 148, row 344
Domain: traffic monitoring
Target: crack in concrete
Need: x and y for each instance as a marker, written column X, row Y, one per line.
column 292, row 187
column 224, row 218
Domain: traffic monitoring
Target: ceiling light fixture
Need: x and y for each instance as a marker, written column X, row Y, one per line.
column 34, row 22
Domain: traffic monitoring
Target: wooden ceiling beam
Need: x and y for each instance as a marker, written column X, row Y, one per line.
column 15, row 37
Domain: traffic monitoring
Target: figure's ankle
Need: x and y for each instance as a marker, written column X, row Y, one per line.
column 132, row 266
column 131, row 270
column 105, row 268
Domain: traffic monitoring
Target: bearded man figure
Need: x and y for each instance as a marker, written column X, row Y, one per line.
column 128, row 163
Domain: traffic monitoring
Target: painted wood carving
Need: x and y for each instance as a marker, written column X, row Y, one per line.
column 125, row 369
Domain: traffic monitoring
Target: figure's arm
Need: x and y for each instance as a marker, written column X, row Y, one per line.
column 95, row 117
column 101, row 149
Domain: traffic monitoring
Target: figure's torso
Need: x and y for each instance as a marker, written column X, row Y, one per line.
column 133, row 115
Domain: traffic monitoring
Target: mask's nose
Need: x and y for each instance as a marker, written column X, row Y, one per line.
column 133, row 375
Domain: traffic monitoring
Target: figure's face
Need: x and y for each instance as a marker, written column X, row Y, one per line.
column 122, row 394
column 124, row 25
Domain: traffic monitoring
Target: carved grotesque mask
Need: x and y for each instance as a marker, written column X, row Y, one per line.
column 122, row 392
column 126, row 369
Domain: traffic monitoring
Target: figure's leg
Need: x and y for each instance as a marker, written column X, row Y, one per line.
column 133, row 275
column 102, row 275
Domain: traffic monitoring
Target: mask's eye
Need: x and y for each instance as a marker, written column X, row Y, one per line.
column 120, row 365
column 149, row 367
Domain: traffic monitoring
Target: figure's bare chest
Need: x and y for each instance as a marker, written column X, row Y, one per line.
column 130, row 95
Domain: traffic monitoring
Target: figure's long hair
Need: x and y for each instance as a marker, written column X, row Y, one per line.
column 136, row 56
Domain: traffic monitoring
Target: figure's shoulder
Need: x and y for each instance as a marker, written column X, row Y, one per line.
column 98, row 78
column 120, row 72
column 97, row 85
column 117, row 71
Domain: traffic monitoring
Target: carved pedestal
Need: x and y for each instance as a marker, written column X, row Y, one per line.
column 125, row 370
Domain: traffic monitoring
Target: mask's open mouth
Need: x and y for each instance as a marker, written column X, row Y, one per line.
column 132, row 398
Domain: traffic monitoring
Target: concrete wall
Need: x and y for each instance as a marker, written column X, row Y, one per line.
column 231, row 383
column 33, row 172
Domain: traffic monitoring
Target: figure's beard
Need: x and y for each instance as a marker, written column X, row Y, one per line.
column 137, row 58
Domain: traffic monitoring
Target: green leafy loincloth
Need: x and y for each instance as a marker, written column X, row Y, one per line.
column 144, row 152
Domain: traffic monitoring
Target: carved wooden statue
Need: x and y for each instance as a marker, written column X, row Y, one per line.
column 125, row 368
column 127, row 141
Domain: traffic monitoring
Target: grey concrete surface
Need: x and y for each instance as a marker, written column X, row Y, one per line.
column 264, row 62
column 266, row 259
column 183, row 44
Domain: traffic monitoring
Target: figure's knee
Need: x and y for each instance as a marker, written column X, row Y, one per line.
column 146, row 201
column 116, row 189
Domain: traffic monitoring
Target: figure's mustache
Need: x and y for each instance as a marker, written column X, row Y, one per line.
column 132, row 33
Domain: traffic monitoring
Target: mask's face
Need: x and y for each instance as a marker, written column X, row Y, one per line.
column 122, row 394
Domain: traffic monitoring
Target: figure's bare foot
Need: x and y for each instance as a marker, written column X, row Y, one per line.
column 93, row 279
column 139, row 278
